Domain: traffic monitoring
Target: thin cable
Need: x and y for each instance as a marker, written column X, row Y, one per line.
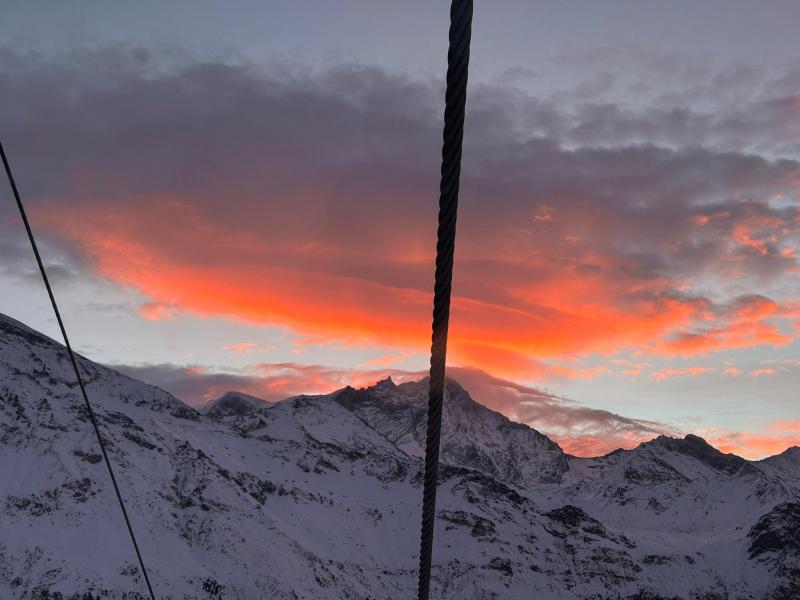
column 88, row 405
column 455, row 102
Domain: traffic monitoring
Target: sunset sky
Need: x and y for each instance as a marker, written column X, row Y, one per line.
column 243, row 195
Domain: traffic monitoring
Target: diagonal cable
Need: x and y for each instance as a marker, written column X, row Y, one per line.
column 74, row 361
column 455, row 102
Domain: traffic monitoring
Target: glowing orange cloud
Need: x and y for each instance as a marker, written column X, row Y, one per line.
column 324, row 290
column 762, row 372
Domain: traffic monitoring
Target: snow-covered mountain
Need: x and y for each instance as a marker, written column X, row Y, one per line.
column 472, row 435
column 318, row 497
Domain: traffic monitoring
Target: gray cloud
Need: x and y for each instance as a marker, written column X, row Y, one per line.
column 192, row 386
column 579, row 429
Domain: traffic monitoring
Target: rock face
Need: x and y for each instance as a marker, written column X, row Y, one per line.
column 318, row 497
column 774, row 542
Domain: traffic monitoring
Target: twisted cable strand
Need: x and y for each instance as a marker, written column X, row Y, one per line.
column 455, row 102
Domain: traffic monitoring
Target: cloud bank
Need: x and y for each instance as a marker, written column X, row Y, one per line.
column 307, row 199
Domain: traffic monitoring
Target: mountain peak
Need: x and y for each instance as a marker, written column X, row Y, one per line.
column 233, row 404
column 785, row 464
column 699, row 449
column 696, row 440
column 689, row 440
column 473, row 435
column 791, row 454
column 386, row 383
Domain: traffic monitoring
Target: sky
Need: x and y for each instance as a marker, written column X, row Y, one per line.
column 244, row 197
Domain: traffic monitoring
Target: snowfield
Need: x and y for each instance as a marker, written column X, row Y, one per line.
column 317, row 497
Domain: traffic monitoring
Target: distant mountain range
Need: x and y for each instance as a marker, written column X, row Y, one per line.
column 317, row 497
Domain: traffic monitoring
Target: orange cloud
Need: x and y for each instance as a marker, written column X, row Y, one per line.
column 629, row 367
column 157, row 311
column 758, row 232
column 755, row 307
column 597, row 445
column 665, row 374
column 507, row 314
column 386, row 360
column 499, row 336
column 586, row 373
column 754, row 445
column 737, row 335
column 241, row 347
column 762, row 372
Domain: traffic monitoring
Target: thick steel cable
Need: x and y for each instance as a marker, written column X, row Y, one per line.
column 74, row 361
column 455, row 101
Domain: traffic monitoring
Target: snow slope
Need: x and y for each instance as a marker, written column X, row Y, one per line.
column 318, row 497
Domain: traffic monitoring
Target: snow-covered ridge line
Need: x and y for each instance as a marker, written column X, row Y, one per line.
column 318, row 497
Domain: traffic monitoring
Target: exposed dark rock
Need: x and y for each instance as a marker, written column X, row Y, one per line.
column 778, row 531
